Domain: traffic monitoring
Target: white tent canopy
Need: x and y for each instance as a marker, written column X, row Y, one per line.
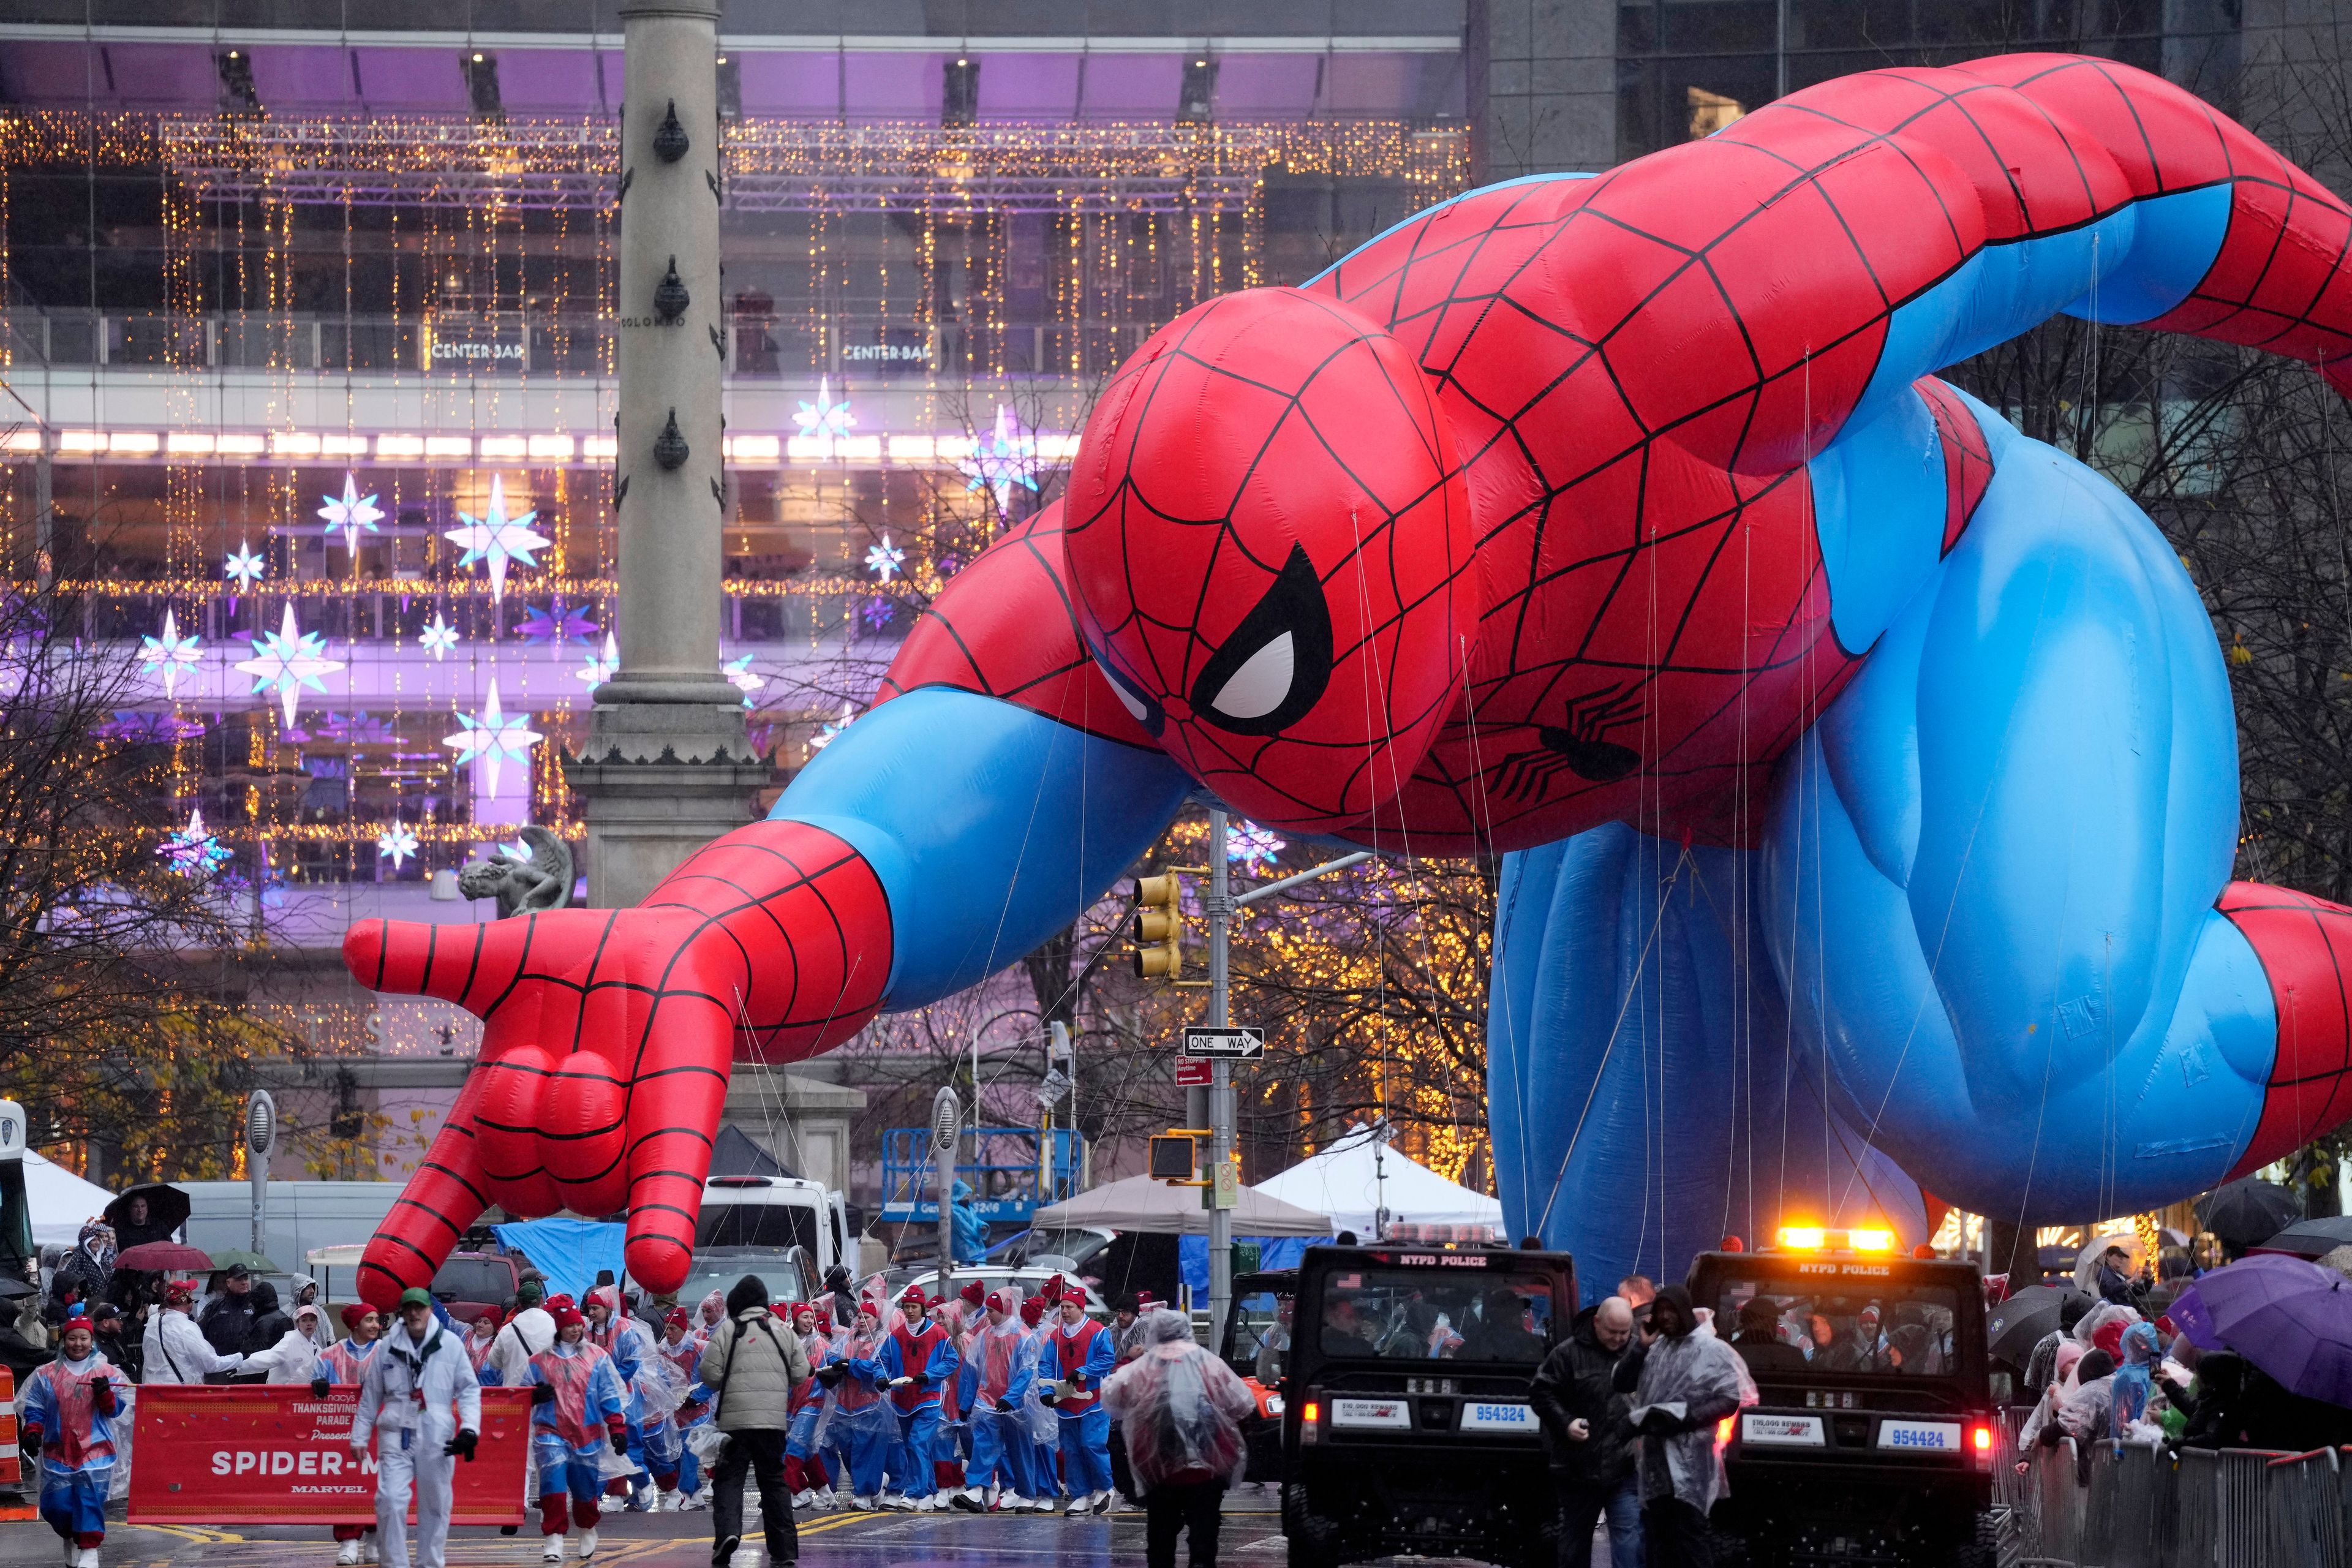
column 61, row 1202
column 1356, row 1177
column 1140, row 1203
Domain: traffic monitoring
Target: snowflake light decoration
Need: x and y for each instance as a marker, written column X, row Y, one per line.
column 739, row 675
column 824, row 420
column 437, row 638
column 884, row 558
column 498, row 539
column 169, row 653
column 601, row 667
column 831, row 731
column 877, row 612
column 351, row 512
column 396, row 844
column 558, row 624
column 1007, row 458
column 287, row 660
column 244, row 568
column 138, row 728
column 494, row 736
column 193, row 851
column 1255, row 848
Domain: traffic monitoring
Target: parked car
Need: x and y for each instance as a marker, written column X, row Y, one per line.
column 772, row 1213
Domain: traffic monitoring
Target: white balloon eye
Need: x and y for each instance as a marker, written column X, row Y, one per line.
column 1128, row 700
column 1259, row 686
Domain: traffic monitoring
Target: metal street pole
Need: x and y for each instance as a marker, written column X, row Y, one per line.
column 1220, row 908
column 947, row 1126
column 260, row 1137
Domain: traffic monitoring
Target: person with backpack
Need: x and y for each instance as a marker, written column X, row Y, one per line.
column 1180, row 1409
column 751, row 1365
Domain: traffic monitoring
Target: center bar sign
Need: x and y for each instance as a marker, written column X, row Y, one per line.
column 270, row 1454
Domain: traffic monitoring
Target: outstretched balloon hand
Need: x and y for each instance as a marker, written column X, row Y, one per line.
column 608, row 1035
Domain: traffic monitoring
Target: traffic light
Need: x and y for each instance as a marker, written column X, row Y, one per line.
column 1158, row 928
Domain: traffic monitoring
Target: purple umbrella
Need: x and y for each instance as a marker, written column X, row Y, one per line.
column 2291, row 1318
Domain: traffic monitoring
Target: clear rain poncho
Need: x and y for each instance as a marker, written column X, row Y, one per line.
column 1004, row 1354
column 1179, row 1407
column 1679, row 1374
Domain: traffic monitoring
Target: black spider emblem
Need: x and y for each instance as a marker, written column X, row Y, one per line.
column 1577, row 745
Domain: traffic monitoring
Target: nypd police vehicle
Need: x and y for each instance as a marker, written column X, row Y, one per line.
column 1872, row 1439
column 1406, row 1427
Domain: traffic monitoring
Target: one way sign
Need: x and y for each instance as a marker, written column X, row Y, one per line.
column 1241, row 1043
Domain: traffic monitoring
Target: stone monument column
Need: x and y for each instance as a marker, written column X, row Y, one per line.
column 666, row 766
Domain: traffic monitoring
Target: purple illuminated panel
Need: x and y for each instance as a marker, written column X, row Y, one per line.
column 553, row 81
column 55, row 76
column 790, row 83
column 1267, row 87
column 159, row 76
column 1131, row 87
column 894, row 86
column 1028, row 86
column 303, row 79
column 414, row 80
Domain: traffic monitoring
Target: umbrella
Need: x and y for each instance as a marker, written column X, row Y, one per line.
column 254, row 1262
column 2291, row 1318
column 2247, row 1210
column 165, row 1257
column 2017, row 1325
column 2311, row 1237
column 14, row 1289
column 167, row 1211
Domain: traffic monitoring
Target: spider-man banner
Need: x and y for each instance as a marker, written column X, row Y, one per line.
column 1866, row 769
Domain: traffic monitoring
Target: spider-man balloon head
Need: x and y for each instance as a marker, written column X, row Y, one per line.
column 1270, row 537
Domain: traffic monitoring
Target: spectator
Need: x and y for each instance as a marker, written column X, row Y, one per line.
column 138, row 1222
column 293, row 1355
column 228, row 1321
column 174, row 1350
column 2039, row 1366
column 1503, row 1334
column 2215, row 1417
column 753, row 1363
column 1586, row 1440
column 1681, row 1474
column 2088, row 1414
column 270, row 1320
column 87, row 1275
column 2135, row 1379
column 1757, row 1340
column 115, row 1342
column 2114, row 1279
column 1343, row 1330
column 1181, row 1409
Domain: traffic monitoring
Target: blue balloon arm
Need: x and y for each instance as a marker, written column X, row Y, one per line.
column 991, row 825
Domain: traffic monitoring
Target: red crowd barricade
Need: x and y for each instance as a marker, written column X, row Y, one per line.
column 273, row 1454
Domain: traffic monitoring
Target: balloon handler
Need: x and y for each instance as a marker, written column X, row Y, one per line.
column 71, row 1407
column 421, row 1402
column 1084, row 1355
column 576, row 1405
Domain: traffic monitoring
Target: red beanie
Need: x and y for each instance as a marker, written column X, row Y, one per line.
column 1033, row 1310
column 351, row 1313
column 974, row 1292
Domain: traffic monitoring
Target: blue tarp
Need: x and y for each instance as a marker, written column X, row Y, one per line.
column 569, row 1252
column 1273, row 1252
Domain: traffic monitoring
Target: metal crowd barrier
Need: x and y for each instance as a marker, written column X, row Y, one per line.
column 2133, row 1505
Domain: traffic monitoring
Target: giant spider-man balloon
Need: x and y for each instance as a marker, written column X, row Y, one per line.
column 1868, row 769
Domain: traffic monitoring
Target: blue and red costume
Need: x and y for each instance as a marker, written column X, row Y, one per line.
column 928, row 1358
column 1866, row 769
column 70, row 1414
column 1085, row 1352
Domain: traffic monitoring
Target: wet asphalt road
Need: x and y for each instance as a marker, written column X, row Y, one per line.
column 1252, row 1538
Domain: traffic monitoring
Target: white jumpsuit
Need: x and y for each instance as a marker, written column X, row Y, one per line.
column 407, row 1396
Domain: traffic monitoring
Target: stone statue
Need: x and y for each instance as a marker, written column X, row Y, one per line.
column 523, row 887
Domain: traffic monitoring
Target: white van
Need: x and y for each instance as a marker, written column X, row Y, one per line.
column 303, row 1216
column 775, row 1211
